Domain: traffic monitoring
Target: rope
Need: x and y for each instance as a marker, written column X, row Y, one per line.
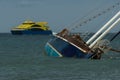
column 95, row 16
column 115, row 36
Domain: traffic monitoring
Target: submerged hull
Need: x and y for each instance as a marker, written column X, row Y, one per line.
column 58, row 47
column 20, row 32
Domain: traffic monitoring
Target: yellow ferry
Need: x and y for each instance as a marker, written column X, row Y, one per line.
column 30, row 27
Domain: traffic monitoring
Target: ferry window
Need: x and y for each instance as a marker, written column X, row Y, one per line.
column 36, row 26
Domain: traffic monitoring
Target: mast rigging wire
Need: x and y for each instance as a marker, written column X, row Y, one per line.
column 94, row 17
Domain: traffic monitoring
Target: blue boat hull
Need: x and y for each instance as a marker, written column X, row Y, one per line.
column 20, row 32
column 60, row 48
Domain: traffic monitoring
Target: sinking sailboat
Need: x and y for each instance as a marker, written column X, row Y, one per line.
column 63, row 44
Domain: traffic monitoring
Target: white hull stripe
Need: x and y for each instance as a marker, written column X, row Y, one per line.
column 54, row 50
column 71, row 43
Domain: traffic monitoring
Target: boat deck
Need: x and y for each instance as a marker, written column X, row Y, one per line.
column 75, row 39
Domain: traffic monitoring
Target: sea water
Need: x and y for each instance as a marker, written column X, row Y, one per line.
column 22, row 57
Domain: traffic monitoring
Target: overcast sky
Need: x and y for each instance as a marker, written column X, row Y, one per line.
column 58, row 13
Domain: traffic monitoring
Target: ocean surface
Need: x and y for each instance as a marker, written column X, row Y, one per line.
column 22, row 57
